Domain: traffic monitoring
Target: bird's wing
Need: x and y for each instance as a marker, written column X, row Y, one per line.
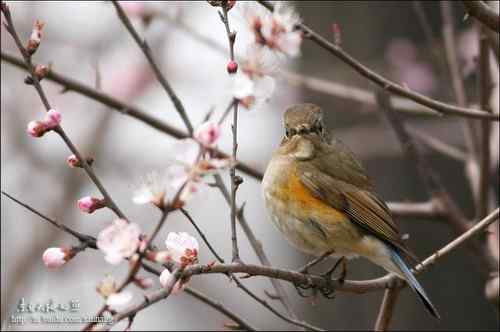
column 362, row 206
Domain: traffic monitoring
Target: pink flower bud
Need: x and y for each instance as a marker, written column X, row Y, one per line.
column 35, row 38
column 208, row 133
column 232, row 67
column 37, row 128
column 90, row 204
column 56, row 257
column 52, row 118
column 73, row 161
column 41, row 71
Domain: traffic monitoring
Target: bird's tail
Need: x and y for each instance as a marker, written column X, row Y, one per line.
column 412, row 281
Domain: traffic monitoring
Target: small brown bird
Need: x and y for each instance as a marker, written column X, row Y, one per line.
column 319, row 196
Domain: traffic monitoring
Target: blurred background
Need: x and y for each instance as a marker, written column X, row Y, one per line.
column 80, row 37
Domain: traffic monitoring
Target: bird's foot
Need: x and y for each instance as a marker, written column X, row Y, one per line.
column 343, row 273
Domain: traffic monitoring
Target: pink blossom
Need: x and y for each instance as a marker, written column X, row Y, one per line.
column 276, row 30
column 119, row 240
column 183, row 248
column 119, row 301
column 208, row 133
column 52, row 118
column 89, row 204
column 56, row 257
column 183, row 176
column 36, row 128
column 252, row 93
column 166, row 277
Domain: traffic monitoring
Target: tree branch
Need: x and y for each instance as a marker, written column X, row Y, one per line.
column 70, row 84
column 143, row 45
column 483, row 13
column 385, row 83
column 9, row 25
column 387, row 308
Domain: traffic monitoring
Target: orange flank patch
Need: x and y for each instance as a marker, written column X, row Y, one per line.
column 300, row 201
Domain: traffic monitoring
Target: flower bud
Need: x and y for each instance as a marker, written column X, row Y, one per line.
column 73, row 161
column 232, row 67
column 35, row 38
column 52, row 118
column 90, row 204
column 37, row 128
column 56, row 257
column 41, row 71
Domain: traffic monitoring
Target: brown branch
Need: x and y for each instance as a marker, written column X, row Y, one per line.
column 9, row 25
column 89, row 240
column 258, row 249
column 148, row 300
column 448, row 32
column 485, row 89
column 350, row 286
column 484, row 14
column 434, row 186
column 70, row 84
column 235, row 180
column 245, row 288
column 386, row 310
column 426, row 210
column 143, row 45
column 388, row 85
column 438, row 145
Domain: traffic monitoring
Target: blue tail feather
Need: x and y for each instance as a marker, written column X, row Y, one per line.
column 412, row 281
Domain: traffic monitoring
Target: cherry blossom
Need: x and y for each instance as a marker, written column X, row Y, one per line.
column 208, row 133
column 183, row 247
column 166, row 278
column 119, row 301
column 187, row 165
column 56, row 257
column 276, row 30
column 119, row 240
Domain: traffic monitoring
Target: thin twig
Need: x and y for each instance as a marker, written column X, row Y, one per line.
column 124, row 108
column 388, row 85
column 82, row 237
column 485, row 90
column 235, row 180
column 212, row 250
column 484, row 14
column 143, row 45
column 433, row 184
column 9, row 25
column 258, row 249
column 386, row 310
column 439, row 145
column 245, row 288
column 448, row 32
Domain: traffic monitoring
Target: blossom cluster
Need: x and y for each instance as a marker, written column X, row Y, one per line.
column 274, row 33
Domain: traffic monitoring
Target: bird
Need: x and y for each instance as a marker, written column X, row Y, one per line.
column 319, row 196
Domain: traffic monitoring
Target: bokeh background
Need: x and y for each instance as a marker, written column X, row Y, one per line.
column 80, row 37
